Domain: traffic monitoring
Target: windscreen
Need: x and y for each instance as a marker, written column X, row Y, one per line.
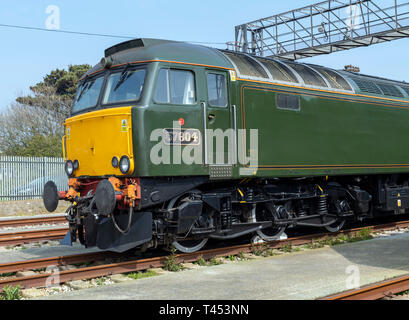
column 87, row 94
column 124, row 86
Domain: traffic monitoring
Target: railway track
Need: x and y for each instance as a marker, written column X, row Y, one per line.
column 133, row 265
column 22, row 237
column 27, row 236
column 21, row 222
column 376, row 291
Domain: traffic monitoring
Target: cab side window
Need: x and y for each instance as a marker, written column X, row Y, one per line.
column 175, row 86
column 216, row 89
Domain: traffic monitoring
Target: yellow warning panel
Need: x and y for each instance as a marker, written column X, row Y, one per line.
column 96, row 137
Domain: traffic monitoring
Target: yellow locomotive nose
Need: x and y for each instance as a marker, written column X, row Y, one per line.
column 94, row 138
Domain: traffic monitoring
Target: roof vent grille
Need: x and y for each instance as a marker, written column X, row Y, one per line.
column 367, row 86
column 406, row 89
column 390, row 90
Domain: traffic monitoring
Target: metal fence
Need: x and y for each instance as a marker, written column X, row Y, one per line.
column 24, row 177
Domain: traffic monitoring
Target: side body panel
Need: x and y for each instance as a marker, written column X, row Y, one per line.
column 331, row 134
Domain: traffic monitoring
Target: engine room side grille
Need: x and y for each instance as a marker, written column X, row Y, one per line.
column 220, row 172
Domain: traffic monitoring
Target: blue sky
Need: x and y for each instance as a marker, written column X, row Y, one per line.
column 26, row 56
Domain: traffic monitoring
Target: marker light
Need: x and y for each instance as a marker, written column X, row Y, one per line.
column 124, row 164
column 115, row 162
column 69, row 168
column 76, row 164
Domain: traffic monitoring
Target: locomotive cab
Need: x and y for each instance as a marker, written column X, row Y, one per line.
column 133, row 117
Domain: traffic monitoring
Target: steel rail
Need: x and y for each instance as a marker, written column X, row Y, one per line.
column 40, row 280
column 32, row 221
column 14, row 238
column 374, row 291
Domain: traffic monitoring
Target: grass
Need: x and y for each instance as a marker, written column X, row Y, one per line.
column 211, row 262
column 83, row 264
column 201, row 262
column 100, row 281
column 11, row 293
column 262, row 249
column 238, row 257
column 403, row 293
column 214, row 261
column 141, row 275
column 241, row 255
column 7, row 274
column 315, row 244
column 171, row 263
column 287, row 248
column 364, row 234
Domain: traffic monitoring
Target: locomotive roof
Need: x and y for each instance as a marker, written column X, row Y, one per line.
column 253, row 67
column 166, row 50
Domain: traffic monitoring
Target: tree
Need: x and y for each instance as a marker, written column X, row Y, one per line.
column 56, row 92
column 33, row 126
column 29, row 131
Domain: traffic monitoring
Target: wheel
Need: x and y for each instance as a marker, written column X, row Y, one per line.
column 336, row 226
column 268, row 212
column 188, row 245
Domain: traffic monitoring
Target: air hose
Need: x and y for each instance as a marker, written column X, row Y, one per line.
column 128, row 228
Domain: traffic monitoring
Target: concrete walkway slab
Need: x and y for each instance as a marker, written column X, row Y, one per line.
column 302, row 275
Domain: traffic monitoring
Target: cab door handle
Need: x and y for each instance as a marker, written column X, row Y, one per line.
column 211, row 117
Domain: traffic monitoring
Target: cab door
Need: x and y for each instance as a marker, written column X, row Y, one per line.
column 219, row 120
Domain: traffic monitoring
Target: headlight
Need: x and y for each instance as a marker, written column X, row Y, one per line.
column 76, row 164
column 69, row 168
column 124, row 164
column 115, row 162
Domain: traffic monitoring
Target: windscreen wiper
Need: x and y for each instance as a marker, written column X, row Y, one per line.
column 84, row 88
column 124, row 76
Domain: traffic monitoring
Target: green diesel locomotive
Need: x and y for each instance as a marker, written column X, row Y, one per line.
column 170, row 143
